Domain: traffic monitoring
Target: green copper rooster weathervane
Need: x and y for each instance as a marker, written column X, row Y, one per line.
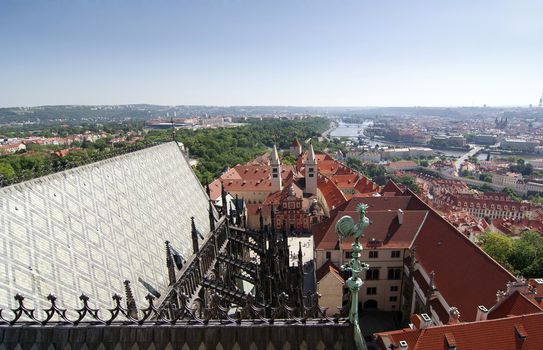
column 346, row 227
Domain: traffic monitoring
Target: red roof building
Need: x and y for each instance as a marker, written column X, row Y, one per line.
column 300, row 198
column 518, row 332
column 442, row 267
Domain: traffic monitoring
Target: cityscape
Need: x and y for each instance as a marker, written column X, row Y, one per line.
column 296, row 175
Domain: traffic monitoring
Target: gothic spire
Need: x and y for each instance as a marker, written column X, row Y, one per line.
column 170, row 263
column 311, row 155
column 274, row 156
column 194, row 235
column 130, row 301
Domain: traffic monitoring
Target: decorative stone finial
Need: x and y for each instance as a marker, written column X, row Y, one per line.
column 454, row 315
column 130, row 300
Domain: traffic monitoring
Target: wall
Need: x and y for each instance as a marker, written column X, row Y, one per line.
column 384, row 261
column 330, row 289
column 313, row 336
column 89, row 228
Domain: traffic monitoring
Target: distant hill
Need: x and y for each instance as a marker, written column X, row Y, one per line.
column 48, row 115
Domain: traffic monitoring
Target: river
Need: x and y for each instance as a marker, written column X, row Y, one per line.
column 353, row 131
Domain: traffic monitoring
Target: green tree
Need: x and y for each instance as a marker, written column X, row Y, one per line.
column 498, row 246
column 511, row 193
column 486, row 177
column 6, row 172
column 527, row 254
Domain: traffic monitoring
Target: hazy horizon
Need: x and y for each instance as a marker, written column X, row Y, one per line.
column 343, row 54
column 263, row 105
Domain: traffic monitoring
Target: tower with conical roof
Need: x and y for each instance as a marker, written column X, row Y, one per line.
column 275, row 165
column 311, row 172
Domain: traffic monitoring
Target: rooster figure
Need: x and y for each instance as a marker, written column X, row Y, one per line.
column 346, row 227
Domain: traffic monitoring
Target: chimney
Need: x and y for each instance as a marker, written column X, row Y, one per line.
column 482, row 313
column 426, row 321
column 403, row 345
column 451, row 341
column 400, row 216
column 416, row 321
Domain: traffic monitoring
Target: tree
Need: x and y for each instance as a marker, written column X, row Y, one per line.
column 6, row 172
column 527, row 254
column 486, row 188
column 498, row 246
column 486, row 177
column 522, row 256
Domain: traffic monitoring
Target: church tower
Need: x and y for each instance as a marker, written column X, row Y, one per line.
column 296, row 148
column 275, row 165
column 311, row 171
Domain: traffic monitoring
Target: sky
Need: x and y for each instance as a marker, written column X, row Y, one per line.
column 294, row 52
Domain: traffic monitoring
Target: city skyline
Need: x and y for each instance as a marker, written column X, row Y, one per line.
column 236, row 53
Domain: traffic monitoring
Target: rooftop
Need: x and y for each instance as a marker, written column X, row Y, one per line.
column 518, row 332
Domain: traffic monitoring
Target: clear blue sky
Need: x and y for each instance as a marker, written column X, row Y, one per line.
column 312, row 52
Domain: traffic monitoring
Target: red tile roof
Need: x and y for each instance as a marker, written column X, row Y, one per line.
column 514, row 304
column 345, row 181
column 331, row 193
column 277, row 197
column 391, row 187
column 384, row 228
column 402, row 164
column 319, row 156
column 325, row 269
column 378, row 203
column 255, row 178
column 464, row 274
column 244, row 185
column 502, row 334
column 215, row 189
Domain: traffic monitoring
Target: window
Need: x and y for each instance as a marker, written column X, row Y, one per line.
column 374, row 254
column 371, row 290
column 310, row 174
column 328, row 255
column 395, row 254
column 394, row 298
column 347, row 255
column 394, row 273
column 372, row 274
column 393, row 288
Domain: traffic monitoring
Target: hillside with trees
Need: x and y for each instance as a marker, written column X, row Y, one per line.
column 220, row 148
